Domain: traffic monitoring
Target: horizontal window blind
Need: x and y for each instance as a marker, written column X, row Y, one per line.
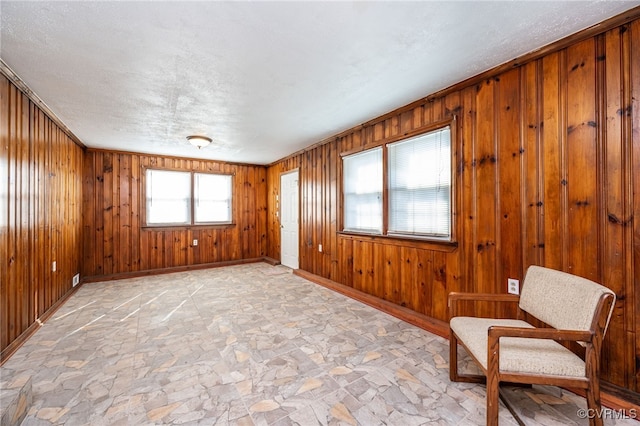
column 362, row 191
column 419, row 174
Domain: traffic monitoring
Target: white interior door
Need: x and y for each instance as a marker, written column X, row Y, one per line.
column 289, row 219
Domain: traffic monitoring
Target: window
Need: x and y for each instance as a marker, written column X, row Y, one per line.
column 419, row 185
column 187, row 198
column 417, row 194
column 363, row 191
column 212, row 195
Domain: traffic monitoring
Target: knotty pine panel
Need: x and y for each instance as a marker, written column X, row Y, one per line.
column 484, row 166
column 613, row 163
column 40, row 215
column 547, row 171
column 509, row 174
column 631, row 94
column 581, row 154
column 116, row 242
column 531, row 169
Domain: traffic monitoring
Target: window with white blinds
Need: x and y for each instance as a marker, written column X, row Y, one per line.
column 415, row 199
column 420, row 185
column 187, row 198
column 362, row 191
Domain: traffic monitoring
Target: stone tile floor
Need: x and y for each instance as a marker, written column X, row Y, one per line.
column 248, row 345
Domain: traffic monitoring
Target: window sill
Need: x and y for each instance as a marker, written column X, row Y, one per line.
column 396, row 240
column 187, row 227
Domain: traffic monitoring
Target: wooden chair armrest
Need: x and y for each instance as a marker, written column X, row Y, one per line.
column 455, row 297
column 541, row 333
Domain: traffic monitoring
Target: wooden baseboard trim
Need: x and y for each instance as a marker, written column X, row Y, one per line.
column 31, row 330
column 625, row 401
column 147, row 272
column 619, row 392
column 613, row 397
column 271, row 261
column 429, row 324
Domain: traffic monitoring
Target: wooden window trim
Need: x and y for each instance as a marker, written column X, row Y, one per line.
column 435, row 241
column 181, row 226
column 413, row 242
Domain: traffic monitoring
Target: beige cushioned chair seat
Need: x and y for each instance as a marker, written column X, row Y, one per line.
column 521, row 355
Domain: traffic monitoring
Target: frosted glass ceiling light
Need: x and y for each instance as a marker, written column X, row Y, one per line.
column 199, row 141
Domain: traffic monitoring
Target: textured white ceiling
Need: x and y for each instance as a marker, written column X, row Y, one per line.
column 263, row 79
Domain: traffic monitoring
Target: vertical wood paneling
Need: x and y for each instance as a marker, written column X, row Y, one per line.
column 547, row 173
column 42, row 256
column 5, row 153
column 107, row 212
column 124, row 241
column 120, row 244
column 467, row 184
column 610, row 81
column 261, row 211
column 552, row 141
column 484, row 166
column 408, row 291
column 13, row 281
column 40, row 212
column 452, row 107
column 581, row 154
column 332, row 208
column 632, row 291
column 531, row 170
column 510, row 238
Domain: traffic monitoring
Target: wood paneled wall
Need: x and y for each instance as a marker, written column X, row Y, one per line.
column 116, row 243
column 40, row 214
column 548, row 173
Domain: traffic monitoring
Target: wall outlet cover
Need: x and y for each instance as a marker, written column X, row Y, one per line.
column 513, row 286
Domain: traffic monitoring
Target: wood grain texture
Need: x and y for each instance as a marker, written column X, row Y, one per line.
column 116, row 242
column 547, row 165
column 631, row 143
column 40, row 215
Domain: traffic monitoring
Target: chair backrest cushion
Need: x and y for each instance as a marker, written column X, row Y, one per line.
column 562, row 300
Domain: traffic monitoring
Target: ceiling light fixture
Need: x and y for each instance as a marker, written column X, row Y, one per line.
column 199, row 141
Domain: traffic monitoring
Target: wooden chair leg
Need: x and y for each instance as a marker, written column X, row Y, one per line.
column 594, row 404
column 454, row 374
column 493, row 399
column 453, row 357
column 493, row 379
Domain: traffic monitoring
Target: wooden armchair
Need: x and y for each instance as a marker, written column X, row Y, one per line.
column 577, row 312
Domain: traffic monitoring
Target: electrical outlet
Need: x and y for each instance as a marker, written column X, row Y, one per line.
column 195, row 242
column 320, row 248
column 53, row 266
column 513, row 286
column 76, row 280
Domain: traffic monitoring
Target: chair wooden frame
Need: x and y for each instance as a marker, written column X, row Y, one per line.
column 592, row 341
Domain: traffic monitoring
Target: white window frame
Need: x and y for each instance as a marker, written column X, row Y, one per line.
column 190, row 198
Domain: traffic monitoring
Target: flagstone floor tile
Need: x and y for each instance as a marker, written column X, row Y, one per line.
column 248, row 345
